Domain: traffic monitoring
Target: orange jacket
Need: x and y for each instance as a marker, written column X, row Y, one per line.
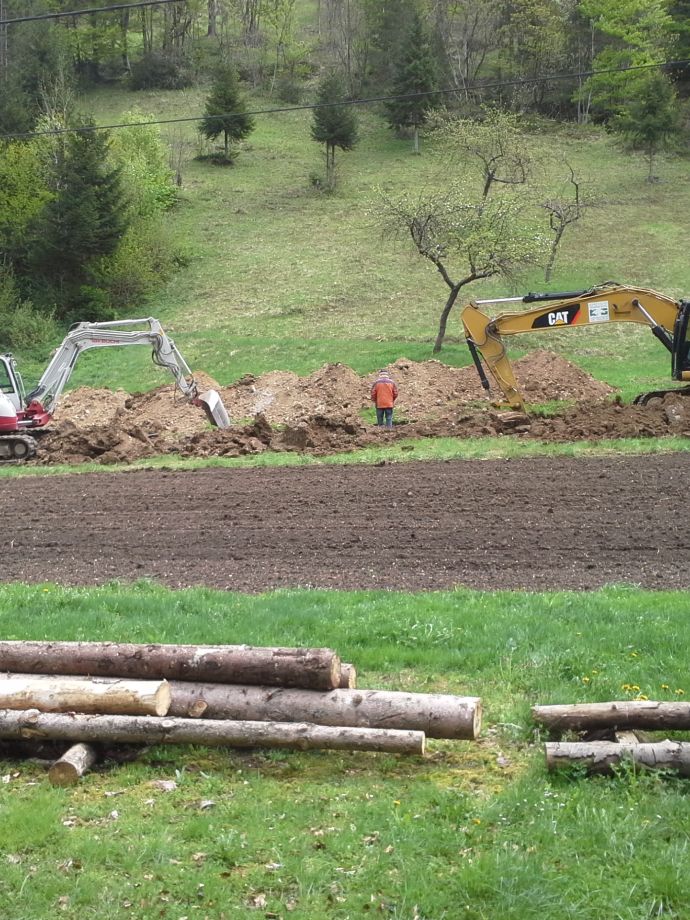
column 384, row 393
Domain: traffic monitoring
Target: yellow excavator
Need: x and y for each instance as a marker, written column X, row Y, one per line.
column 606, row 303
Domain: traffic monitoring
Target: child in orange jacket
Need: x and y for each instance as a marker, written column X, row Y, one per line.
column 383, row 394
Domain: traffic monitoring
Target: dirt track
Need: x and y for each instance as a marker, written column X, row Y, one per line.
column 534, row 524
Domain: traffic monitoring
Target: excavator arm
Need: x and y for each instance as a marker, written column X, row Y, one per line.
column 607, row 303
column 42, row 401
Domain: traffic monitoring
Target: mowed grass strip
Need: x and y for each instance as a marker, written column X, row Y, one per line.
column 473, row 830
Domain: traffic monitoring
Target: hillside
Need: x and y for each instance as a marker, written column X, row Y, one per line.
column 278, row 276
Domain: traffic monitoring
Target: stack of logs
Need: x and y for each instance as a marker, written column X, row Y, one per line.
column 97, row 694
column 614, row 732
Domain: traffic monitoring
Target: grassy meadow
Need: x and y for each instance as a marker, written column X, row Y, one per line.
column 279, row 276
column 472, row 830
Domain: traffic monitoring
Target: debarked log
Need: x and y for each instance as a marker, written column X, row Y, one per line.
column 312, row 668
column 603, row 756
column 438, row 715
column 247, row 734
column 619, row 714
column 60, row 693
column 73, row 764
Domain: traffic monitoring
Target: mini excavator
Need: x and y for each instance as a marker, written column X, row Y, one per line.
column 23, row 415
column 606, row 303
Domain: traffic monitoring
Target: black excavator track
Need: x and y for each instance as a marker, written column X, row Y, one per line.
column 644, row 398
column 15, row 448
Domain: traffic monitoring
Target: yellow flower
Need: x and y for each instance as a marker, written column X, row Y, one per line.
column 680, row 692
column 476, row 820
column 664, row 686
column 585, row 680
column 626, row 687
column 641, row 696
column 633, row 654
column 635, row 688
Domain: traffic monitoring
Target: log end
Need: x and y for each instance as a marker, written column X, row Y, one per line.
column 348, row 676
column 162, row 699
column 63, row 774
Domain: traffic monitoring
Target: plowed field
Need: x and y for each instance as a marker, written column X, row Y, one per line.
column 531, row 524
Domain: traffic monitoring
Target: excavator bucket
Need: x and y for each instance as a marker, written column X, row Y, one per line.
column 212, row 405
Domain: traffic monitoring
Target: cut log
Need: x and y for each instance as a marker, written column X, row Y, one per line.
column 73, row 764
column 602, row 756
column 59, row 693
column 313, row 668
column 621, row 714
column 437, row 715
column 348, row 676
column 155, row 730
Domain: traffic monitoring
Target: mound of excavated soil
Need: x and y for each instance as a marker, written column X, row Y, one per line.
column 320, row 413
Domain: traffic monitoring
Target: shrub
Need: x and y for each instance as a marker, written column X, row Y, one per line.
column 161, row 71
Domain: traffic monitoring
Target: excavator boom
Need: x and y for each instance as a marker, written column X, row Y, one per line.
column 607, row 303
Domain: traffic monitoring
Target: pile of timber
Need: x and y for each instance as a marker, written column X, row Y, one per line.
column 614, row 732
column 97, row 694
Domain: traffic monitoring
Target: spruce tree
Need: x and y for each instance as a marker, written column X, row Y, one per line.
column 226, row 113
column 651, row 121
column 84, row 221
column 334, row 124
column 415, row 74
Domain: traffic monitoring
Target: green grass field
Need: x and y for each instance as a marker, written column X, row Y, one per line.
column 279, row 276
column 473, row 830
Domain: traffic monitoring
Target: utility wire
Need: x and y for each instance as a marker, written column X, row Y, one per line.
column 82, row 129
column 97, row 9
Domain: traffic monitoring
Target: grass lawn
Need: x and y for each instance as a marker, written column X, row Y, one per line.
column 472, row 830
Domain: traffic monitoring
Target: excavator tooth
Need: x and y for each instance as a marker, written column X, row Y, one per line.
column 212, row 405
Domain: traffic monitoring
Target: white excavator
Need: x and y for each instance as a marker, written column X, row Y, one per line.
column 22, row 414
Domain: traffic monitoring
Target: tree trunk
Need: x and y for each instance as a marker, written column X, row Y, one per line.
column 153, row 730
column 348, row 676
column 603, row 756
column 626, row 714
column 310, row 668
column 73, row 764
column 552, row 254
column 49, row 693
column 452, row 297
column 437, row 715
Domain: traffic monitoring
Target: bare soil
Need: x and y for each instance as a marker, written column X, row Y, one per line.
column 518, row 524
column 321, row 413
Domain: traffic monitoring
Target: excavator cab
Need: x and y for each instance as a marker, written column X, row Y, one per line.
column 680, row 354
column 11, row 383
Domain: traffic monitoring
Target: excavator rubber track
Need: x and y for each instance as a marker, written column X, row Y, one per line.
column 16, row 448
column 644, row 398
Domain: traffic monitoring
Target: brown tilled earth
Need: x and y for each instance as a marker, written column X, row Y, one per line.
column 520, row 524
column 523, row 524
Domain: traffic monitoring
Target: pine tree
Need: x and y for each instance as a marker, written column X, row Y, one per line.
column 226, row 113
column 84, row 221
column 415, row 74
column 334, row 124
column 651, row 121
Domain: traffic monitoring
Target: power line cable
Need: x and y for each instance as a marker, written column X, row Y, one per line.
column 82, row 129
column 96, row 9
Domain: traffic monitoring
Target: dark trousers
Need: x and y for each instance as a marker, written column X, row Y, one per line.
column 386, row 414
